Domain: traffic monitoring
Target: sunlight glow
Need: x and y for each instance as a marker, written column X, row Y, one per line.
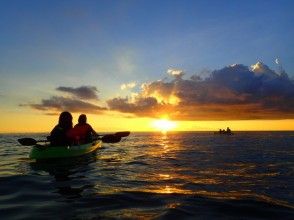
column 164, row 125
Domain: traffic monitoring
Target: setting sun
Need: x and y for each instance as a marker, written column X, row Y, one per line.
column 164, row 125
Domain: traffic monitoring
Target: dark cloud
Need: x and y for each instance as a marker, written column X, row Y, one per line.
column 74, row 103
column 83, row 92
column 59, row 104
column 232, row 93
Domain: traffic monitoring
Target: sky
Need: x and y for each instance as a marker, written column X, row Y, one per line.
column 203, row 64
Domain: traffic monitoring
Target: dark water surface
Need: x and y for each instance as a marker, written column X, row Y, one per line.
column 153, row 176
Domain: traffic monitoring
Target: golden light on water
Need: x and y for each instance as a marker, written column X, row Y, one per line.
column 164, row 125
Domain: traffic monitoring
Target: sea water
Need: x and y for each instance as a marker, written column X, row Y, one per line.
column 185, row 175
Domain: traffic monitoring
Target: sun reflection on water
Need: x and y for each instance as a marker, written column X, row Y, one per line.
column 168, row 189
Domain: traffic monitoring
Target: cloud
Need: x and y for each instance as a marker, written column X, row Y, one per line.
column 234, row 92
column 128, row 85
column 143, row 107
column 59, row 104
column 177, row 73
column 83, row 92
column 74, row 103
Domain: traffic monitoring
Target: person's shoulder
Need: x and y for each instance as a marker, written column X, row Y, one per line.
column 56, row 128
column 88, row 125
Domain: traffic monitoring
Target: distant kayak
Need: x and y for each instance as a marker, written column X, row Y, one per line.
column 41, row 152
column 223, row 133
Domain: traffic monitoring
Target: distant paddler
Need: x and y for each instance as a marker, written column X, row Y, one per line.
column 223, row 131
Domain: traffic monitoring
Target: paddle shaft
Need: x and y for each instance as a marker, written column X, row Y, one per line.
column 108, row 138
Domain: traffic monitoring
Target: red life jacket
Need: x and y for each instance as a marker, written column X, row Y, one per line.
column 80, row 133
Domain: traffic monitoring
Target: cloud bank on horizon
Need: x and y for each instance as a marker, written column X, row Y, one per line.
column 235, row 92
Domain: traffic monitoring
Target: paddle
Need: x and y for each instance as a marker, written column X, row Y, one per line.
column 119, row 134
column 108, row 138
column 29, row 141
column 114, row 138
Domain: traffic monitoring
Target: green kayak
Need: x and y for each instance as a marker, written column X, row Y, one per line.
column 40, row 152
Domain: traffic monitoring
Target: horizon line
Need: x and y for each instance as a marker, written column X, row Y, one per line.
column 42, row 132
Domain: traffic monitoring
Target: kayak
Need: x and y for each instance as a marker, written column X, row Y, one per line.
column 41, row 152
column 224, row 133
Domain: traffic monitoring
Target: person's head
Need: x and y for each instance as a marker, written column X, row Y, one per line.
column 82, row 119
column 65, row 120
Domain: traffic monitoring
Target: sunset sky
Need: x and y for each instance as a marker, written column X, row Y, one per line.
column 203, row 64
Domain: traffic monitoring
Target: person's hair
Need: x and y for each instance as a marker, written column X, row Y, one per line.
column 82, row 119
column 65, row 120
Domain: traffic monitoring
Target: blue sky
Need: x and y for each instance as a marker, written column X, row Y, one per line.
column 47, row 44
column 188, row 34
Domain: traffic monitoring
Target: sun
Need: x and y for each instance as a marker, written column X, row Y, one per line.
column 164, row 125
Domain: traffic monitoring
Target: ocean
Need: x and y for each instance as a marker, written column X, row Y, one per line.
column 178, row 175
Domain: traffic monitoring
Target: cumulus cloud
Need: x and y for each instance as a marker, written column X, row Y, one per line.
column 74, row 103
column 83, row 92
column 143, row 107
column 232, row 93
column 177, row 73
column 128, row 85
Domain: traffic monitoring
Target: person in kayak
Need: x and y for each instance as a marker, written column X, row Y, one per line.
column 228, row 131
column 82, row 132
column 59, row 134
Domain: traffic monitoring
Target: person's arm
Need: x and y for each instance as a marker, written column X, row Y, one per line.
column 56, row 136
column 93, row 132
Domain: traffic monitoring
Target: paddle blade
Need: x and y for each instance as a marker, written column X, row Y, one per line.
column 110, row 138
column 122, row 134
column 27, row 141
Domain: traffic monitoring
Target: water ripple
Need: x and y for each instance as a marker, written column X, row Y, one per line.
column 154, row 176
